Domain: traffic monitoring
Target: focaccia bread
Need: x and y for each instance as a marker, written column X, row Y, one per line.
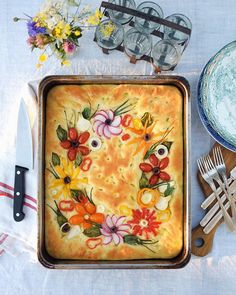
column 114, row 172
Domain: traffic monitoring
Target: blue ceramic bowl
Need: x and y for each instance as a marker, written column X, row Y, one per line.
column 217, row 96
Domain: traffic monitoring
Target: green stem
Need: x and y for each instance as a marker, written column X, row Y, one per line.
column 51, row 172
column 53, row 210
column 122, row 105
column 66, row 120
column 159, row 184
column 123, row 110
column 148, row 248
column 91, row 197
column 149, row 242
column 56, row 175
column 94, row 112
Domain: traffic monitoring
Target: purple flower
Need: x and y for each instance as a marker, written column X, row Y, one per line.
column 107, row 124
column 114, row 229
column 33, row 29
column 68, row 47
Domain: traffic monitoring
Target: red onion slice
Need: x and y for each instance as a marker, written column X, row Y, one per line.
column 103, row 113
column 110, row 114
column 116, row 238
column 106, row 131
column 116, row 122
column 96, row 125
column 115, row 130
column 100, row 117
column 120, row 220
column 105, row 233
column 100, row 129
column 107, row 240
column 109, row 221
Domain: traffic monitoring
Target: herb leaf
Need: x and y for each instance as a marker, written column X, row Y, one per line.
column 134, row 240
column 131, row 240
column 151, row 150
column 143, row 182
column 86, row 113
column 168, row 144
column 169, row 190
column 147, row 119
column 78, row 160
column 61, row 133
column 92, row 232
column 55, row 159
column 61, row 219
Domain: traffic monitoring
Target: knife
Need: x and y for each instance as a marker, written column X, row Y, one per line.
column 24, row 160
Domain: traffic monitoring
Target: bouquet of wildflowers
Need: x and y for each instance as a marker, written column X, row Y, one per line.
column 57, row 27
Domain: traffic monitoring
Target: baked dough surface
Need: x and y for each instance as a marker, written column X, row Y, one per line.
column 134, row 213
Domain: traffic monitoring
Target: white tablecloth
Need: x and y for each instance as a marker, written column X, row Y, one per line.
column 214, row 25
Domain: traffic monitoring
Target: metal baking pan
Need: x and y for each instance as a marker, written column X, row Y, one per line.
column 46, row 260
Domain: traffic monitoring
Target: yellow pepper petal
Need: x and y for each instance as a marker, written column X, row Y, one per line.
column 164, row 216
column 125, row 210
column 76, row 173
column 137, row 123
column 60, row 171
column 56, row 183
column 75, row 184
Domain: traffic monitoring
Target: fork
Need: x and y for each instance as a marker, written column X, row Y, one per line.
column 220, row 166
column 207, row 171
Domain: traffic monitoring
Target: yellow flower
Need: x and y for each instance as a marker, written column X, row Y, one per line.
column 77, row 33
column 42, row 16
column 38, row 65
column 94, row 19
column 39, row 20
column 98, row 14
column 65, row 62
column 43, row 57
column 62, row 30
column 68, row 179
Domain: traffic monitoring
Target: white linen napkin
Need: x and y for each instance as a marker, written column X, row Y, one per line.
column 18, row 237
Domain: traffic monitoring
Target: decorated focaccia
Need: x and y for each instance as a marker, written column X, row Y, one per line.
column 114, row 172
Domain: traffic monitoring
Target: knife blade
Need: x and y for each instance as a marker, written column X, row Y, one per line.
column 24, row 160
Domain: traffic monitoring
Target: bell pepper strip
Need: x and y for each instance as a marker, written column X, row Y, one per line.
column 164, row 216
column 147, row 198
column 86, row 163
column 125, row 137
column 66, row 205
column 92, row 243
column 126, row 120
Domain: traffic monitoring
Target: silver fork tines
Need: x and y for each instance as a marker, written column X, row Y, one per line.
column 209, row 173
column 221, row 168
